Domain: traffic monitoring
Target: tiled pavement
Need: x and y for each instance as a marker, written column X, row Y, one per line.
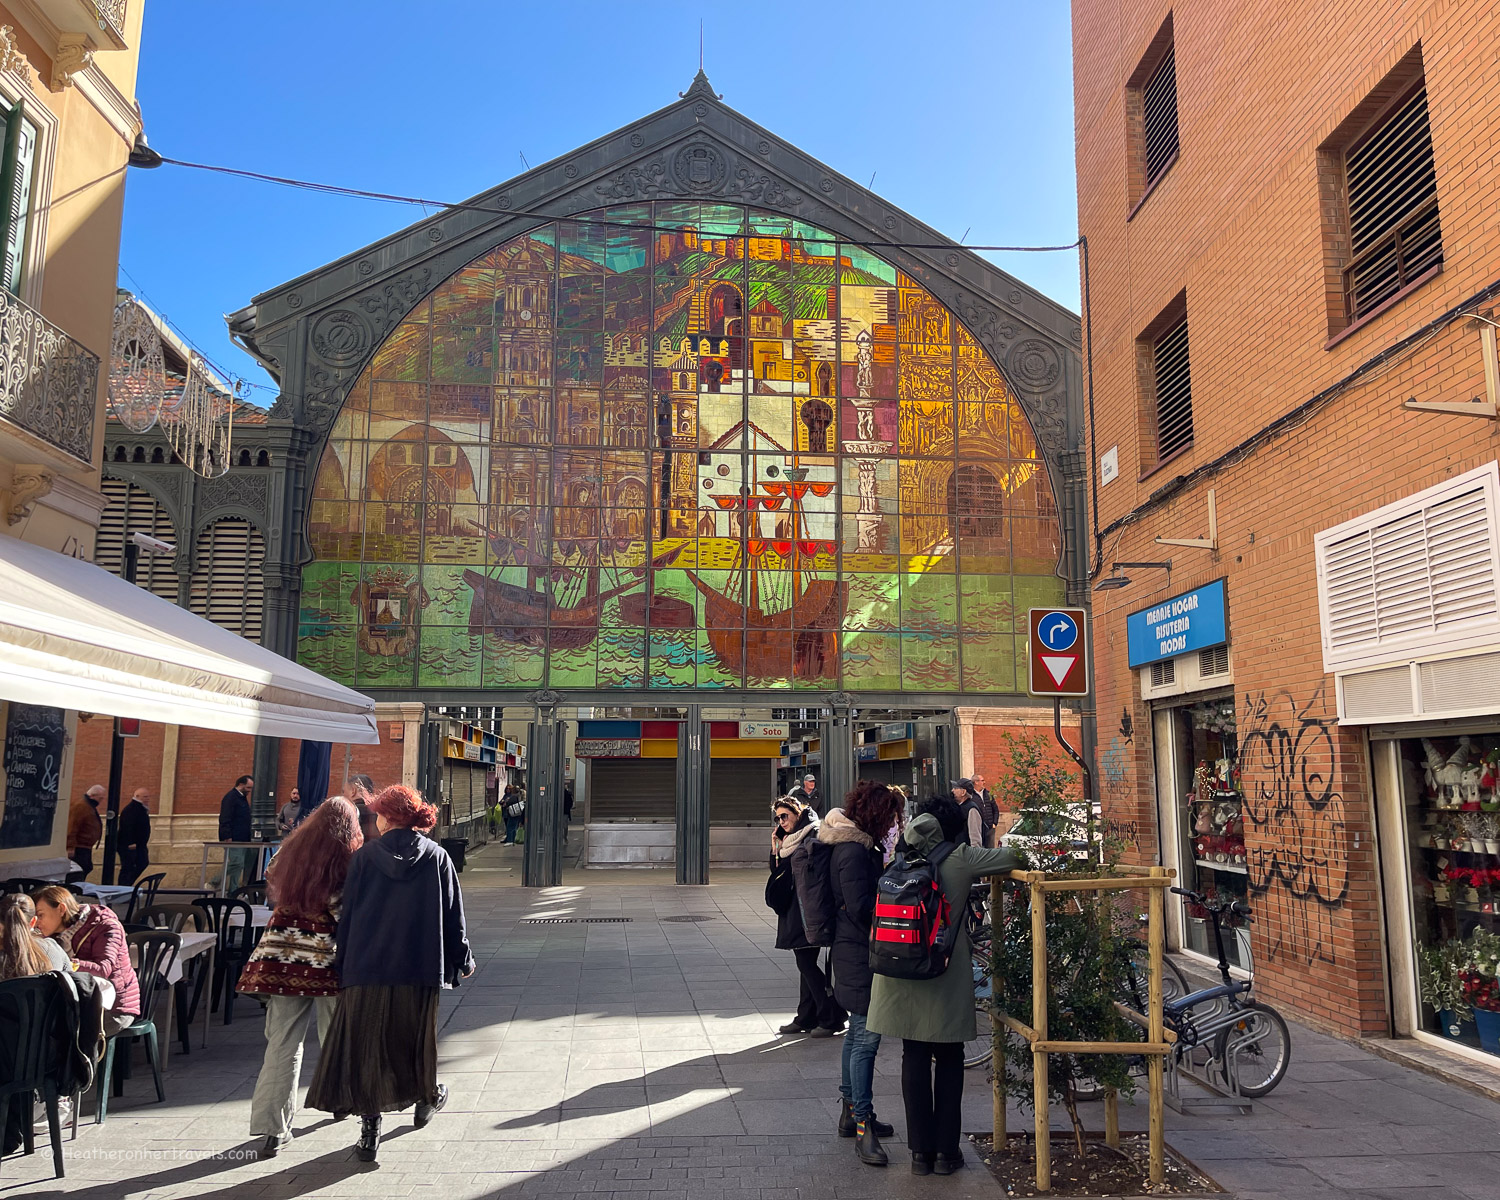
column 614, row 1060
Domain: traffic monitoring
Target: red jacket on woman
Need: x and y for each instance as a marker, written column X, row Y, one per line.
column 97, row 941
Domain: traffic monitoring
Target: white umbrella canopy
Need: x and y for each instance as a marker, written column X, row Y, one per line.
column 72, row 635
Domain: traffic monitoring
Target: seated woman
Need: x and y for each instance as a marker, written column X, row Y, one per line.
column 23, row 951
column 94, row 941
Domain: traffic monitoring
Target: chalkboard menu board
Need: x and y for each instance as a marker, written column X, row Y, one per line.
column 34, row 737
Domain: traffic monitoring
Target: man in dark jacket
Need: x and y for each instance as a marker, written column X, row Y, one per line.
column 989, row 809
column 133, row 835
column 807, row 793
column 235, row 826
column 967, row 800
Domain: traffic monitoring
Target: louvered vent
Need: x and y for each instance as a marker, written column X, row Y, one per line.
column 1414, row 576
column 1174, row 391
column 131, row 509
column 1213, row 662
column 228, row 587
column 1377, row 695
column 1159, row 117
column 1394, row 235
column 1164, row 673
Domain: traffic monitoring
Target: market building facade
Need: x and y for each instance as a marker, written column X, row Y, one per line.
column 1293, row 282
column 681, row 431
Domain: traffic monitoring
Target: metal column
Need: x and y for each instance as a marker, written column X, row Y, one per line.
column 546, row 741
column 693, row 765
column 838, row 750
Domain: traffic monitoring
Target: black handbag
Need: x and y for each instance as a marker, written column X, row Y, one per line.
column 781, row 891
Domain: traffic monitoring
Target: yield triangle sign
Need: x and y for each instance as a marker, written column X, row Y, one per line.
column 1058, row 666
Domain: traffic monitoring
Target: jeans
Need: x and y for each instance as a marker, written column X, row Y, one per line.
column 815, row 1005
column 275, row 1101
column 239, row 868
column 932, row 1084
column 511, row 824
column 858, row 1085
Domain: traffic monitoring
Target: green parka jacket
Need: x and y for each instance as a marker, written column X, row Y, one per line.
column 941, row 1009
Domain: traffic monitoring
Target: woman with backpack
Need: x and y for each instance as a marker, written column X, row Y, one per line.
column 818, row 1014
column 855, row 833
column 934, row 1017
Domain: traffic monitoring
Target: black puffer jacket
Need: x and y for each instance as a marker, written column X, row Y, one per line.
column 789, row 932
column 854, row 870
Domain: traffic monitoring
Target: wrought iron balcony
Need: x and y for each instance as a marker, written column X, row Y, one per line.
column 100, row 22
column 49, row 383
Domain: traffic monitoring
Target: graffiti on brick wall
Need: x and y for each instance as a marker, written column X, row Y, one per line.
column 1297, row 860
column 1114, row 767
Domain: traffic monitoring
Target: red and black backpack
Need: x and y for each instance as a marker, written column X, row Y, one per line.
column 912, row 931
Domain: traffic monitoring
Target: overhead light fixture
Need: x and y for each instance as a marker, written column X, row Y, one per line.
column 1116, row 580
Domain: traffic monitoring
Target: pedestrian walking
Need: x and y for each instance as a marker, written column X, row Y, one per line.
column 935, row 1017
column 362, row 791
column 134, row 836
column 989, row 809
column 818, row 1014
column 807, row 793
column 293, row 964
column 94, row 941
column 235, row 825
column 286, row 817
column 85, row 828
column 400, row 939
column 515, row 809
column 855, row 833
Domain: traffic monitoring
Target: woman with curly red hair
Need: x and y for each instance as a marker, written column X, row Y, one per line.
column 381, row 1052
column 292, row 967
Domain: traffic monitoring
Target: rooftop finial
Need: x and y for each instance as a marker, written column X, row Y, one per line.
column 700, row 85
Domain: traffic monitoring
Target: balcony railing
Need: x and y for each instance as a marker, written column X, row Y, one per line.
column 49, row 383
column 113, row 12
column 101, row 23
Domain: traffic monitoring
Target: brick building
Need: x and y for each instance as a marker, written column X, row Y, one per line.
column 1292, row 260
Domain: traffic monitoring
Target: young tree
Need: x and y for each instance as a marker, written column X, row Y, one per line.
column 1089, row 947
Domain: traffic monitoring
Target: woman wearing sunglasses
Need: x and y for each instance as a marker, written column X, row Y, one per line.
column 818, row 1014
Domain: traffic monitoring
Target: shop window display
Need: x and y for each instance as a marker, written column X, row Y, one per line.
column 1451, row 792
column 1212, row 824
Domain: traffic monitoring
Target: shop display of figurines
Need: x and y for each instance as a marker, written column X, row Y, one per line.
column 1474, row 832
column 1218, row 820
column 1464, row 781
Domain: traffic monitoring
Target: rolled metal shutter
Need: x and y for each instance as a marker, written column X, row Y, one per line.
column 740, row 791
column 632, row 789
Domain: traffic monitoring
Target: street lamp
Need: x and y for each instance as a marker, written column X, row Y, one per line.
column 135, row 544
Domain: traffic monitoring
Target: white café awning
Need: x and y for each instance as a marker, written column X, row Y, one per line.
column 74, row 636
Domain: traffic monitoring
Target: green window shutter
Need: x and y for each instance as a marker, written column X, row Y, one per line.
column 15, row 193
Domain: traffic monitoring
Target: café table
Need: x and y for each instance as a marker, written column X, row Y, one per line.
column 108, row 894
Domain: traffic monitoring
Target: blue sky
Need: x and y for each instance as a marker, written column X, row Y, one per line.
column 962, row 112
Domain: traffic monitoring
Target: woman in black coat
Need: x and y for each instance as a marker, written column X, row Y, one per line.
column 855, row 833
column 817, row 1013
column 400, row 939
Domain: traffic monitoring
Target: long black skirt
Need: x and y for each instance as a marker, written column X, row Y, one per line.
column 381, row 1052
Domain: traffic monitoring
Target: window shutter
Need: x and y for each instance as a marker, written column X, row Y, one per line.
column 1411, row 577
column 130, row 509
column 1174, row 391
column 15, row 193
column 1159, row 116
column 1391, row 181
column 228, row 587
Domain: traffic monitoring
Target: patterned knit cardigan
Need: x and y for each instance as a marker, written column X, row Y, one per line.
column 294, row 957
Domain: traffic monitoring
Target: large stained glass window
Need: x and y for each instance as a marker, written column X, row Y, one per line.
column 679, row 445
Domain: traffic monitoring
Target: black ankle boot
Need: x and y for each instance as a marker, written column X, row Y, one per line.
column 868, row 1147
column 848, row 1126
column 369, row 1138
column 425, row 1110
column 921, row 1164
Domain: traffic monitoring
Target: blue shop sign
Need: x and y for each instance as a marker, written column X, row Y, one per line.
column 1196, row 620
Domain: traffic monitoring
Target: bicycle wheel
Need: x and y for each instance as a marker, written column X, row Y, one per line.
column 1262, row 1049
column 977, row 1050
column 1174, row 984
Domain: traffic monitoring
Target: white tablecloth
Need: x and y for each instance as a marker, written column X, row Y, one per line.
column 260, row 916
column 110, row 894
column 193, row 944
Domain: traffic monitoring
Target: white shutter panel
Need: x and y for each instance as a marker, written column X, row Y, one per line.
column 1415, row 577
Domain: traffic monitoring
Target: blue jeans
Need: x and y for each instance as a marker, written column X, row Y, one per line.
column 858, row 1085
